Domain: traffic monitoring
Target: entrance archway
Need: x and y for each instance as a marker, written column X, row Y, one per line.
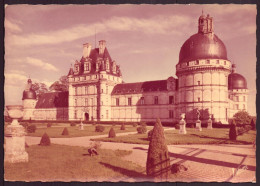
column 86, row 116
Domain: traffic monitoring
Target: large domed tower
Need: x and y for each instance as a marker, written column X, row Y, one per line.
column 203, row 71
column 238, row 92
column 29, row 101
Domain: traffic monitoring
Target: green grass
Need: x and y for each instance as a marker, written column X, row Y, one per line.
column 89, row 130
column 206, row 136
column 67, row 163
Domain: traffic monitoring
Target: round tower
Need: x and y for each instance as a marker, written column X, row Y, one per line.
column 202, row 73
column 29, row 101
column 238, row 92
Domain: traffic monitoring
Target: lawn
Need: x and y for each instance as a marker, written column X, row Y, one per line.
column 206, row 136
column 89, row 130
column 67, row 163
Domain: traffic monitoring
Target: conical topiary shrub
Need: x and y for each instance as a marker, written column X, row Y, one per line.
column 122, row 127
column 112, row 133
column 158, row 161
column 45, row 140
column 252, row 123
column 65, row 132
column 233, row 131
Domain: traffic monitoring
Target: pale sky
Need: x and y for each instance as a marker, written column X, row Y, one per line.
column 145, row 40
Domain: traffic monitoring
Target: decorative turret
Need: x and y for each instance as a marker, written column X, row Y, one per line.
column 71, row 71
column 205, row 24
column 102, row 46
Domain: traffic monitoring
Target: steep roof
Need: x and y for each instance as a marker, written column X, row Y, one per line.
column 53, row 100
column 139, row 87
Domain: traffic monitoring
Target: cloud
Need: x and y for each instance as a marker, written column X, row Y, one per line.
column 157, row 25
column 12, row 27
column 40, row 63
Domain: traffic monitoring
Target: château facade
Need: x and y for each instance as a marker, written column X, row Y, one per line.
column 206, row 81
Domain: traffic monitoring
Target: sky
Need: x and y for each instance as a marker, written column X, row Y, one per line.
column 42, row 41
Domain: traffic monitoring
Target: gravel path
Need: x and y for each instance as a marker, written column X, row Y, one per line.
column 232, row 163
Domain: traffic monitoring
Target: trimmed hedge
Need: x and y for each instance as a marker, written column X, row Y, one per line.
column 31, row 128
column 112, row 133
column 49, row 125
column 141, row 129
column 72, row 124
column 99, row 128
column 45, row 140
column 122, row 127
column 65, row 132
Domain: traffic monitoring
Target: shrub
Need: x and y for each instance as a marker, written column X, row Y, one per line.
column 45, row 140
column 31, row 128
column 177, row 126
column 158, row 161
column 65, row 132
column 49, row 125
column 143, row 124
column 233, row 131
column 252, row 123
column 141, row 130
column 25, row 125
column 112, row 133
column 122, row 127
column 150, row 133
column 72, row 124
column 134, row 124
column 242, row 117
column 100, row 128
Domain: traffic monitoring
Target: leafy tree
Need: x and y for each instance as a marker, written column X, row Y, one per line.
column 158, row 161
column 242, row 117
column 39, row 88
column 57, row 86
column 252, row 124
column 65, row 81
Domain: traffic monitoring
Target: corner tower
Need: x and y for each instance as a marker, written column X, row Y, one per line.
column 29, row 101
column 202, row 72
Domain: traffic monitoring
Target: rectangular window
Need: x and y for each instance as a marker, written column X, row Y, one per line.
column 171, row 98
column 170, row 113
column 86, row 101
column 142, row 101
column 101, row 90
column 198, row 99
column 87, row 67
column 76, row 90
column 129, row 101
column 244, row 98
column 198, row 82
column 156, row 100
column 107, row 114
column 197, row 62
column 237, row 98
column 207, row 62
column 86, row 90
column 225, row 62
column 75, row 114
column 75, row 102
column 217, row 61
column 117, row 101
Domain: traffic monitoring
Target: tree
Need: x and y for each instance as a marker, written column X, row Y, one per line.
column 252, row 124
column 65, row 81
column 242, row 117
column 39, row 88
column 57, row 86
column 158, row 161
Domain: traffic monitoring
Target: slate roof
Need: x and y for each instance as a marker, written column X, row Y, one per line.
column 53, row 100
column 94, row 55
column 147, row 86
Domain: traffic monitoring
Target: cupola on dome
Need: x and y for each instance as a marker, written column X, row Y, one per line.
column 236, row 81
column 29, row 93
column 203, row 45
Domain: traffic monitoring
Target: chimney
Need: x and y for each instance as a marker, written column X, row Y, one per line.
column 86, row 49
column 102, row 46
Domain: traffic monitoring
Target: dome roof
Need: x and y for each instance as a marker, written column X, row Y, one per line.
column 202, row 46
column 29, row 94
column 236, row 81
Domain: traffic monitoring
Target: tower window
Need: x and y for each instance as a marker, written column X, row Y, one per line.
column 156, row 100
column 198, row 82
column 129, row 101
column 142, row 100
column 170, row 113
column 198, row 99
column 171, row 99
column 117, row 101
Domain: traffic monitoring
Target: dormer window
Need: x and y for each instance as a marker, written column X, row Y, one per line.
column 207, row 62
column 77, row 68
column 197, row 62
